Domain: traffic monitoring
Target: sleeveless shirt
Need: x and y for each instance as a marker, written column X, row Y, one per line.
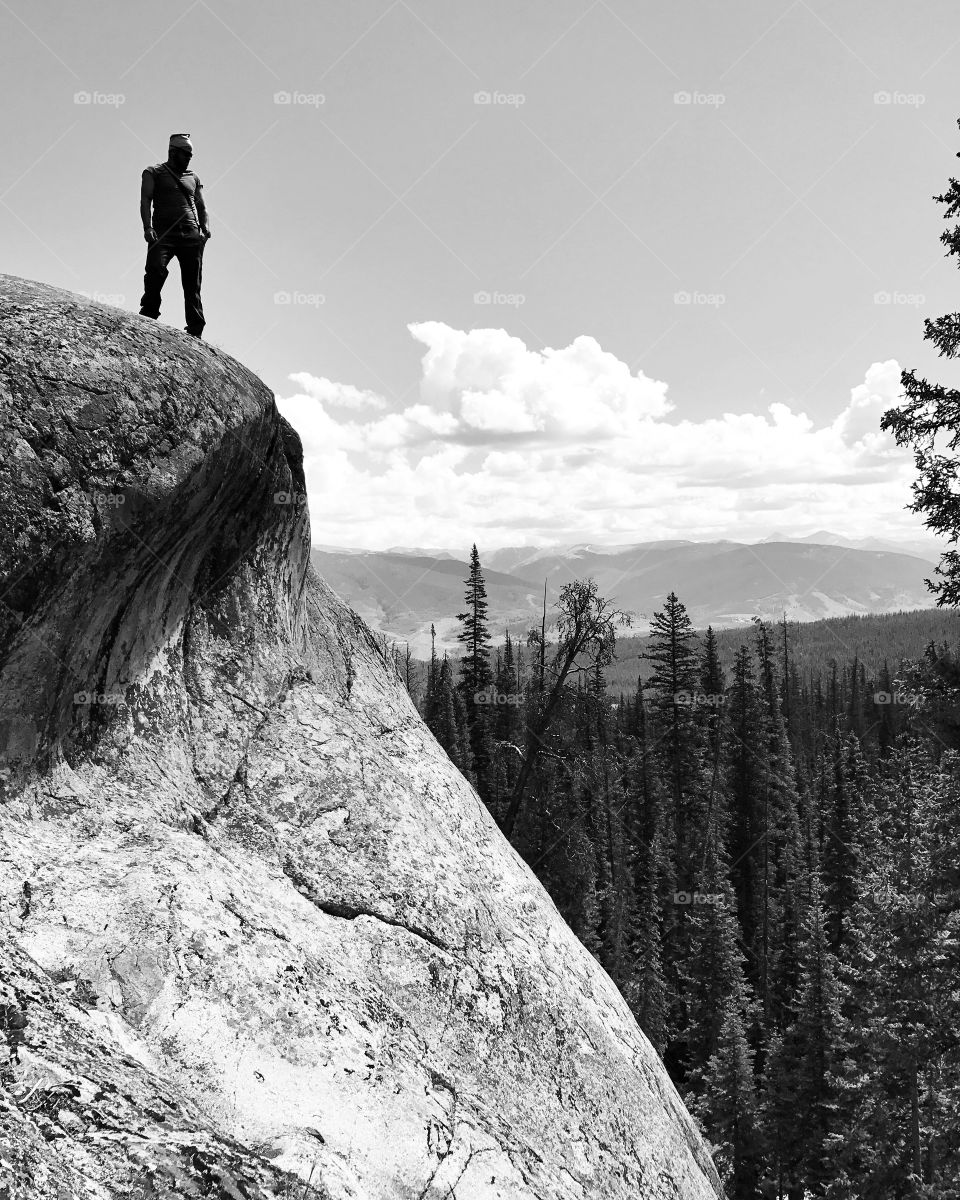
column 173, row 214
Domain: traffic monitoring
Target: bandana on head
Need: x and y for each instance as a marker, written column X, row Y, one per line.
column 180, row 141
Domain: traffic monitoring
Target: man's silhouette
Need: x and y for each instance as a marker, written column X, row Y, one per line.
column 178, row 227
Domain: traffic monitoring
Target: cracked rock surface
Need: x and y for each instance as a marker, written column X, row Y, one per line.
column 268, row 941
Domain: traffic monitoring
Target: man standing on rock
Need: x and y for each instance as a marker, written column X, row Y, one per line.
column 178, row 227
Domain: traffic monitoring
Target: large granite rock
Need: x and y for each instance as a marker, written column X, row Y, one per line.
column 268, row 940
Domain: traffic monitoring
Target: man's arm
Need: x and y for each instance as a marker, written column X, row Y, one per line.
column 146, row 200
column 202, row 210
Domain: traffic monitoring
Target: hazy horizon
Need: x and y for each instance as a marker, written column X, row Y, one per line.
column 922, row 537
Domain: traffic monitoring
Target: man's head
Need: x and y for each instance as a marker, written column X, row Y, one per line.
column 180, row 151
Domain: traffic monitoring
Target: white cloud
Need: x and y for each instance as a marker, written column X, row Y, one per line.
column 508, row 445
column 337, row 395
column 494, row 385
column 868, row 402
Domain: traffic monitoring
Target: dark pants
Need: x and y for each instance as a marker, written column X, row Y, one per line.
column 190, row 257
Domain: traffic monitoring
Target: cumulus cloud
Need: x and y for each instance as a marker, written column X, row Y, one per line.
column 337, row 395
column 498, row 389
column 868, row 402
column 508, row 445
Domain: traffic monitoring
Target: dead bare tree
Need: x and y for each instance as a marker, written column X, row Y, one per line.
column 586, row 636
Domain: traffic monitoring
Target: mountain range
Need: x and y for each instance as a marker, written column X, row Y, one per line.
column 403, row 591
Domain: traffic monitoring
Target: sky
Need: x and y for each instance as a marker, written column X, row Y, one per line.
column 524, row 273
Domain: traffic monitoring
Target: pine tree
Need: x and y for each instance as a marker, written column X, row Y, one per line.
column 613, row 848
column 801, row 1063
column 744, row 782
column 728, row 1108
column 476, row 675
column 899, row 1082
column 844, row 825
column 713, row 684
column 432, row 695
column 505, row 729
column 855, row 705
column 646, row 992
column 673, row 684
column 883, row 707
column 450, row 725
column 712, row 977
column 780, row 850
column 787, row 697
column 929, row 422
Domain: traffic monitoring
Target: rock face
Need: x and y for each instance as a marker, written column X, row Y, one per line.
column 267, row 940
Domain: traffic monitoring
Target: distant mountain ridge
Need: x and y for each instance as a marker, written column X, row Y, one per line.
column 926, row 548
column 723, row 583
